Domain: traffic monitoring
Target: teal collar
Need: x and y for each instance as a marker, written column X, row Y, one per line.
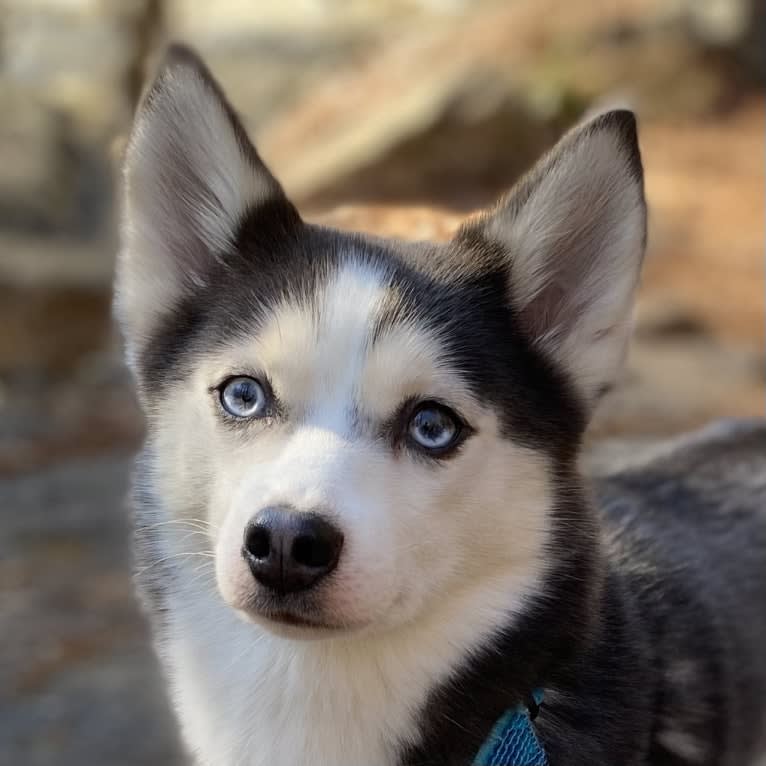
column 513, row 741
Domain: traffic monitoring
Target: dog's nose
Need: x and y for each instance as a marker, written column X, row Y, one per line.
column 288, row 550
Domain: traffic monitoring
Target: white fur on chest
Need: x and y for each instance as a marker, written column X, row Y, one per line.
column 247, row 698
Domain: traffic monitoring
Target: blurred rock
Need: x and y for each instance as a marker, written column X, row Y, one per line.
column 74, row 55
column 734, row 26
column 678, row 384
column 457, row 143
column 54, row 415
column 37, row 168
column 272, row 57
column 50, row 330
column 720, row 22
column 453, row 113
column 55, row 263
column 439, row 114
column 78, row 681
column 64, row 76
column 753, row 44
column 704, row 184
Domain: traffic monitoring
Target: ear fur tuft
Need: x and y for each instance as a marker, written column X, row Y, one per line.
column 573, row 232
column 191, row 175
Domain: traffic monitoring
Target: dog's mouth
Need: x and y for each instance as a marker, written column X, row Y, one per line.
column 299, row 621
column 291, row 624
column 291, row 616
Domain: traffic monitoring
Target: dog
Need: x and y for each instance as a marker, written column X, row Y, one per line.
column 363, row 535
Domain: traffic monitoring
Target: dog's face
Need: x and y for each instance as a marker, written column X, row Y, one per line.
column 371, row 432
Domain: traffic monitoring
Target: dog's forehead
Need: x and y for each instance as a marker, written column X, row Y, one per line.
column 325, row 312
column 355, row 336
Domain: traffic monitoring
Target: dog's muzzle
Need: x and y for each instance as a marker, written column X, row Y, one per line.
column 288, row 550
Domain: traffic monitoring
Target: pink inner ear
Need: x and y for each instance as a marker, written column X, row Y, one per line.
column 542, row 315
column 191, row 177
column 574, row 234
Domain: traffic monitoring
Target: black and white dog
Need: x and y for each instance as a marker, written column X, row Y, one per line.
column 363, row 536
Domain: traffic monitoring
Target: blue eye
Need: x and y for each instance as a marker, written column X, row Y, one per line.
column 434, row 427
column 243, row 397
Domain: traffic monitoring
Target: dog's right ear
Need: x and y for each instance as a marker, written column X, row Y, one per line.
column 573, row 235
column 191, row 176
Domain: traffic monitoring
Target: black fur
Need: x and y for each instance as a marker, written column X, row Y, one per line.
column 648, row 627
column 674, row 648
column 277, row 255
column 630, row 595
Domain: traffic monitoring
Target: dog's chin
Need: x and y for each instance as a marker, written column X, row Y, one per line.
column 288, row 625
column 287, row 621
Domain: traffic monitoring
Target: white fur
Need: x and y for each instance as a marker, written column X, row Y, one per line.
column 435, row 558
column 245, row 696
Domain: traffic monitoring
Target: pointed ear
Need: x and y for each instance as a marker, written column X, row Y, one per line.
column 573, row 232
column 191, row 174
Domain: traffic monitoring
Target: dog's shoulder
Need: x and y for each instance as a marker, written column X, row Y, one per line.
column 707, row 488
column 685, row 531
column 724, row 461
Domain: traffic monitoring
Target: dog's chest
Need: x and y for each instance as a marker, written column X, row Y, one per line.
column 246, row 698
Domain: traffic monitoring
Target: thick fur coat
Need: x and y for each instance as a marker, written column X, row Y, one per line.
column 427, row 402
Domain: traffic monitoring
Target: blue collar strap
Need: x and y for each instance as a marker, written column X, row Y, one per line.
column 512, row 741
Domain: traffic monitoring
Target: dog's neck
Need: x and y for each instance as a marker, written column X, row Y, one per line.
column 332, row 701
column 547, row 647
column 381, row 698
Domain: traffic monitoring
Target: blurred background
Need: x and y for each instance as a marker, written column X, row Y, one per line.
column 416, row 112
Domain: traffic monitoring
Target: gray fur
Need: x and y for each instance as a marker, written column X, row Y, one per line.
column 648, row 626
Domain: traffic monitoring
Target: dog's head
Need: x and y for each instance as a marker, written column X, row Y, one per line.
column 372, row 430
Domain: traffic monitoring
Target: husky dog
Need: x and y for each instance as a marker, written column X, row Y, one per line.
column 362, row 532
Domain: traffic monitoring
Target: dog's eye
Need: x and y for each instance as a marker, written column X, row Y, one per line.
column 434, row 427
column 243, row 397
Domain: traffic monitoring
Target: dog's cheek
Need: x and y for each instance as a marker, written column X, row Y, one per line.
column 505, row 508
column 395, row 553
column 369, row 576
column 180, row 434
column 233, row 500
column 232, row 576
column 433, row 535
column 482, row 515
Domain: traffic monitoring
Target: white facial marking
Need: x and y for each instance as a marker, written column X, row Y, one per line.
column 436, row 556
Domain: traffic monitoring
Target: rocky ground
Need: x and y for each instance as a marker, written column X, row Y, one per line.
column 367, row 104
column 78, row 682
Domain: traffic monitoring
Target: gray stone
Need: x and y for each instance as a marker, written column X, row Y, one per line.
column 37, row 171
column 79, row 683
column 64, row 93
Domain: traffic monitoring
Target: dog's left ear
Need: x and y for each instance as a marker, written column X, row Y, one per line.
column 573, row 233
column 191, row 177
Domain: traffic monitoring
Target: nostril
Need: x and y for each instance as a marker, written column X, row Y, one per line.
column 312, row 551
column 258, row 542
column 316, row 544
column 287, row 550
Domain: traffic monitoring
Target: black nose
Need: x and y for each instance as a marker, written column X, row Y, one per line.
column 288, row 551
